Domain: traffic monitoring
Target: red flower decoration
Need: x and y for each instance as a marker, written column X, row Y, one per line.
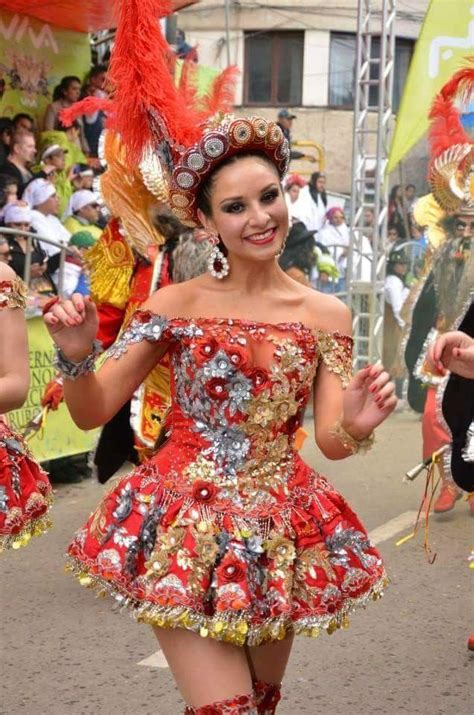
column 237, row 357
column 217, row 388
column 204, row 491
column 260, row 379
column 292, row 424
column 231, row 571
column 205, row 350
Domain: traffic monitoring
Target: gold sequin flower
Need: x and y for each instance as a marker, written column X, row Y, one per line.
column 172, row 539
column 206, row 549
column 280, row 550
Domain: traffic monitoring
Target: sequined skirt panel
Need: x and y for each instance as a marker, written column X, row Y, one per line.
column 243, row 564
column 25, row 492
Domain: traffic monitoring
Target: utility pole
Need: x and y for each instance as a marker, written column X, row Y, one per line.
column 227, row 29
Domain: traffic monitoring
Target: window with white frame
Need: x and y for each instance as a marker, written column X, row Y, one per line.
column 273, row 74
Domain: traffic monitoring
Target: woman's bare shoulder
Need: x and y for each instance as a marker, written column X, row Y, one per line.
column 328, row 313
column 7, row 273
column 176, row 300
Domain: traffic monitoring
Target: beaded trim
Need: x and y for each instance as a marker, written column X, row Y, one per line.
column 421, row 370
column 227, row 627
column 36, row 527
column 356, row 446
column 72, row 370
column 231, row 136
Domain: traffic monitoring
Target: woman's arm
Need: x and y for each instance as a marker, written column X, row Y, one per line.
column 345, row 407
column 14, row 365
column 49, row 122
column 94, row 398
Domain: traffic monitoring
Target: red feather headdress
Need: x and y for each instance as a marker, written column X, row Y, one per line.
column 166, row 129
column 146, row 106
column 452, row 149
column 446, row 128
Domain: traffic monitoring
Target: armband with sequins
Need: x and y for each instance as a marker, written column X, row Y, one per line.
column 72, row 370
column 356, row 446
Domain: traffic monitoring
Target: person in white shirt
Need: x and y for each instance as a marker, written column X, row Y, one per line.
column 44, row 203
column 293, row 186
column 335, row 236
column 396, row 293
column 312, row 203
column 75, row 275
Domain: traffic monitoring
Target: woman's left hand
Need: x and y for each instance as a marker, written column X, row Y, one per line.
column 368, row 401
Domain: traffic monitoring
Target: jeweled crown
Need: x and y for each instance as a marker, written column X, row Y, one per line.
column 231, row 136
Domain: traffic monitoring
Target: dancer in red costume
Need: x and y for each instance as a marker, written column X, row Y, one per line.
column 449, row 270
column 25, row 492
column 225, row 540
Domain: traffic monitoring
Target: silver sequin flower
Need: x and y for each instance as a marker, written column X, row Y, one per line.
column 3, row 500
column 151, row 330
column 344, row 540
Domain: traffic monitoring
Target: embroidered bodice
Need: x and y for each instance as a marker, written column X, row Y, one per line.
column 238, row 391
column 13, row 294
column 226, row 531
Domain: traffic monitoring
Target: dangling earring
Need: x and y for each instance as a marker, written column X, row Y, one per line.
column 217, row 263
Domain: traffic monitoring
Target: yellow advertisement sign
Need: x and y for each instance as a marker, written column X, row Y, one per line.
column 34, row 56
column 60, row 437
column 445, row 41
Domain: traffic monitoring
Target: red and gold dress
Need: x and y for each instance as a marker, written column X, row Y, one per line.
column 25, row 492
column 226, row 531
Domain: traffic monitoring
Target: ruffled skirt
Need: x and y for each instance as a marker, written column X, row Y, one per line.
column 181, row 560
column 25, row 492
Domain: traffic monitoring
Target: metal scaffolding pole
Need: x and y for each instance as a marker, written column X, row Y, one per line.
column 371, row 136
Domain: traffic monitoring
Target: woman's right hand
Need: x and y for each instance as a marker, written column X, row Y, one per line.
column 73, row 325
column 452, row 351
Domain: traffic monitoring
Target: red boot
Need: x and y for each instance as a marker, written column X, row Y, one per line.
column 238, row 705
column 267, row 695
column 447, row 498
column 470, row 642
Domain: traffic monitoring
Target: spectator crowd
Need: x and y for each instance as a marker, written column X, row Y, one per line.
column 47, row 199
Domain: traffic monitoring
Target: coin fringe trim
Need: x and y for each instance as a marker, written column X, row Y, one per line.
column 35, row 527
column 223, row 627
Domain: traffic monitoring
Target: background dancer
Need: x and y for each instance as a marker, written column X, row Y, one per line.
column 25, row 493
column 449, row 269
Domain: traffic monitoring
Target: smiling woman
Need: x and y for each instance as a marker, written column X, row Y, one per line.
column 257, row 217
column 226, row 541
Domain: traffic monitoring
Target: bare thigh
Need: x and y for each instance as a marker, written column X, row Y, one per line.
column 268, row 662
column 206, row 671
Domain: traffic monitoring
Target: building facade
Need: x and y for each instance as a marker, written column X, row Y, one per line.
column 301, row 55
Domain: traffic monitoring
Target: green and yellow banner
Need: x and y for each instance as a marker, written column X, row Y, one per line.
column 205, row 76
column 445, row 41
column 34, row 56
column 59, row 437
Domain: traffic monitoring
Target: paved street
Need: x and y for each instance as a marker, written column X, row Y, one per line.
column 65, row 652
